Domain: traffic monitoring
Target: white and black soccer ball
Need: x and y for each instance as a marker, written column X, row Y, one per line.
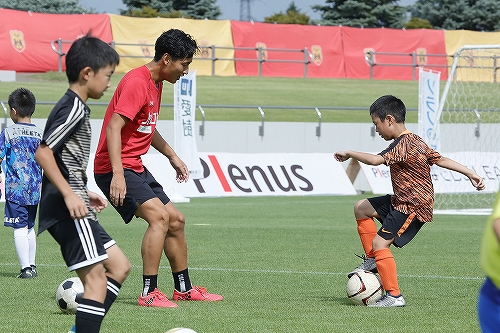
column 180, row 330
column 364, row 288
column 68, row 295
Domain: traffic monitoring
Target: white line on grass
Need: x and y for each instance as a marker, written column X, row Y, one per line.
column 275, row 271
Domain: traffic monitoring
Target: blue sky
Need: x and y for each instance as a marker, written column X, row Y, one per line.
column 230, row 8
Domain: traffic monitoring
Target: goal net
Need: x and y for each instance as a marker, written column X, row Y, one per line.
column 469, row 129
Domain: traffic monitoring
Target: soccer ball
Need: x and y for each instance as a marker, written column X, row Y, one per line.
column 180, row 330
column 68, row 295
column 364, row 288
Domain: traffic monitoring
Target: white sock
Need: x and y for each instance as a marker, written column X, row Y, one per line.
column 32, row 244
column 22, row 246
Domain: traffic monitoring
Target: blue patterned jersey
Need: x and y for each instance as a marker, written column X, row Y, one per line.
column 23, row 175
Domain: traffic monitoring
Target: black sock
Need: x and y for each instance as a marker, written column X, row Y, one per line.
column 112, row 293
column 89, row 316
column 150, row 283
column 181, row 281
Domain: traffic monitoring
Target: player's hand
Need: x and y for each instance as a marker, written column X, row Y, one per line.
column 96, row 201
column 117, row 189
column 477, row 182
column 76, row 207
column 341, row 156
column 181, row 169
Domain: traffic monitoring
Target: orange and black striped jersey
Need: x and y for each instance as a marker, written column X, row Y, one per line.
column 409, row 159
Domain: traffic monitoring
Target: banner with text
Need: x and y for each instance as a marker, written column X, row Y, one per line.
column 227, row 174
column 486, row 165
column 428, row 102
column 184, row 124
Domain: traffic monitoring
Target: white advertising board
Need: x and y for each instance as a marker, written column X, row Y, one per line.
column 228, row 174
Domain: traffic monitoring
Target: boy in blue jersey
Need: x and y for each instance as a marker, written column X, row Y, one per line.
column 23, row 177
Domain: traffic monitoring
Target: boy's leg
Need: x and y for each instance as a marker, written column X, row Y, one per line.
column 91, row 310
column 32, row 246
column 22, row 246
column 364, row 213
column 386, row 266
column 117, row 269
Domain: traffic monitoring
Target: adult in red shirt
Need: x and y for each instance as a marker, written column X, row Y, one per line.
column 128, row 130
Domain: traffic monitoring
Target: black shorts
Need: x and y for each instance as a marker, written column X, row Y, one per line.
column 140, row 188
column 83, row 242
column 400, row 226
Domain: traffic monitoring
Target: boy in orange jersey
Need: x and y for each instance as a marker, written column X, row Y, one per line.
column 404, row 213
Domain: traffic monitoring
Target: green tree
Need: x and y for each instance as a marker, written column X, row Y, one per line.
column 199, row 9
column 46, row 6
column 479, row 15
column 362, row 13
column 292, row 16
column 418, row 23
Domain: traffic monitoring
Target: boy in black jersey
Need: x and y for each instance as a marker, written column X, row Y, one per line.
column 67, row 208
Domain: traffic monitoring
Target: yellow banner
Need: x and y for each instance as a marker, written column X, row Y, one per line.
column 475, row 64
column 135, row 37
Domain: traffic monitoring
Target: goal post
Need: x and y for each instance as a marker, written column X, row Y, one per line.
column 469, row 127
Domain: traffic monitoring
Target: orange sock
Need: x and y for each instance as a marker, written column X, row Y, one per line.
column 367, row 231
column 386, row 266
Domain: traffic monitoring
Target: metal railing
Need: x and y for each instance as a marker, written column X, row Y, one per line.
column 259, row 108
column 208, row 53
column 415, row 61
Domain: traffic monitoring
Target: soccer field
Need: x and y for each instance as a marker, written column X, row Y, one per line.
column 281, row 265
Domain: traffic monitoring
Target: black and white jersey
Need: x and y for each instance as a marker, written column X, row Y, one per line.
column 68, row 134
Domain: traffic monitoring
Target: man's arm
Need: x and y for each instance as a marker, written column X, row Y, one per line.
column 158, row 143
column 118, row 187
column 45, row 158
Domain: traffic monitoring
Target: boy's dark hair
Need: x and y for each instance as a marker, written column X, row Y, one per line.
column 89, row 51
column 23, row 101
column 176, row 43
column 389, row 104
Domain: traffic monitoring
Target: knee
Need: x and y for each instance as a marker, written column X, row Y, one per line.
column 161, row 220
column 177, row 222
column 359, row 208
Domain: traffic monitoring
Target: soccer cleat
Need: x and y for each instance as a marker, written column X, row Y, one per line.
column 196, row 294
column 156, row 299
column 368, row 264
column 389, row 301
column 26, row 273
column 72, row 330
column 34, row 271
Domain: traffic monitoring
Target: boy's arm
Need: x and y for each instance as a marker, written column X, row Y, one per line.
column 181, row 169
column 45, row 158
column 365, row 158
column 448, row 163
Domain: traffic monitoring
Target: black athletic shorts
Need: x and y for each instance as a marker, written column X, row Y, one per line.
column 402, row 227
column 140, row 188
column 83, row 242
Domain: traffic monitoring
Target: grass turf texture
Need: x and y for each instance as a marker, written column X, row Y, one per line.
column 280, row 263
column 247, row 91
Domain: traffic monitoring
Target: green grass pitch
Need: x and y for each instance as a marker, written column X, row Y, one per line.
column 280, row 263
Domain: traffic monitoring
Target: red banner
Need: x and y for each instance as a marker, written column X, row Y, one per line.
column 26, row 37
column 321, row 47
column 409, row 48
